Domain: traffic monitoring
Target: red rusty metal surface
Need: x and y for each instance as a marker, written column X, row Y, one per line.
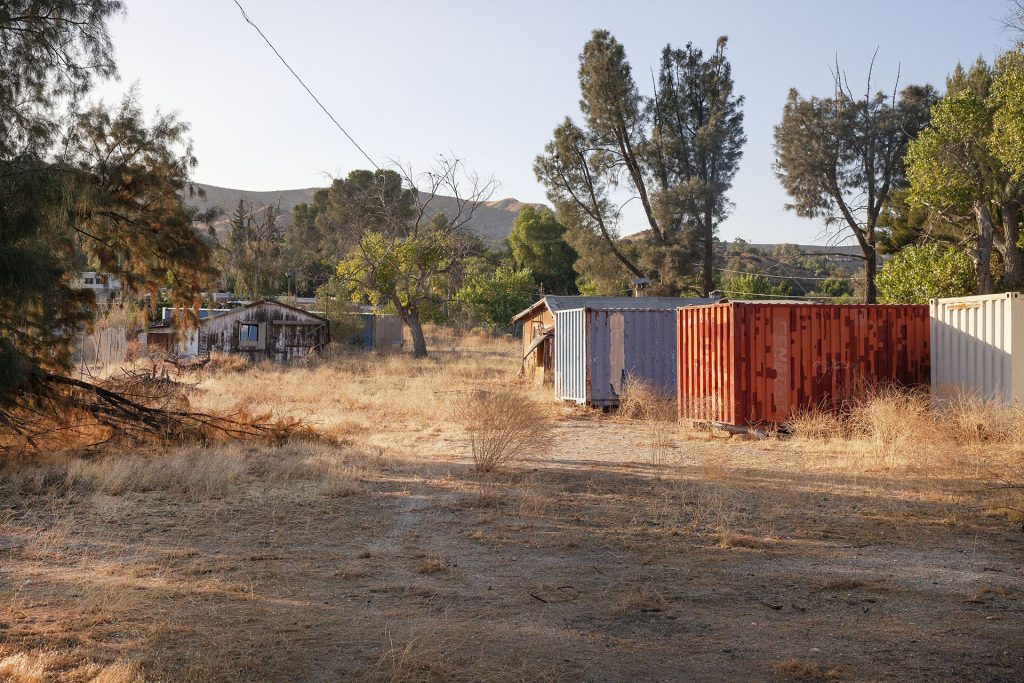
column 745, row 363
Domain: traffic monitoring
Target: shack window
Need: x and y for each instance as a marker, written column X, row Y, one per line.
column 248, row 332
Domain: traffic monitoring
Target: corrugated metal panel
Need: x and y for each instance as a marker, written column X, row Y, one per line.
column 750, row 363
column 598, row 351
column 390, row 331
column 571, row 355
column 624, row 344
column 978, row 346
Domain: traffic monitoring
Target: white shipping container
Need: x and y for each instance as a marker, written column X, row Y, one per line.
column 977, row 346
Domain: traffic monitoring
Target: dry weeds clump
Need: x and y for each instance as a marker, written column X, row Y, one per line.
column 40, row 667
column 432, row 564
column 504, row 423
column 638, row 599
column 895, row 421
column 818, row 424
column 641, row 401
column 194, row 473
column 801, row 670
column 226, row 363
column 657, row 411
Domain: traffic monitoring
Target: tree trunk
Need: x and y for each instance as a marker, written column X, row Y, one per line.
column 870, row 271
column 411, row 317
column 709, row 254
column 419, row 342
column 983, row 260
column 1013, row 269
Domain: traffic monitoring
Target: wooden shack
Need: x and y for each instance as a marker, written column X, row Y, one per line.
column 262, row 330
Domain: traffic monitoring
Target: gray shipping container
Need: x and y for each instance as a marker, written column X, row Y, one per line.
column 382, row 331
column 597, row 351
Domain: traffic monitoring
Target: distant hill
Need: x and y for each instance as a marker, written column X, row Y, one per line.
column 492, row 220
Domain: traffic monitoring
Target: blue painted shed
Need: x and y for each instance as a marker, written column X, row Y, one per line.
column 598, row 350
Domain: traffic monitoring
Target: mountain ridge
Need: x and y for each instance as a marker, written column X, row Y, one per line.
column 492, row 220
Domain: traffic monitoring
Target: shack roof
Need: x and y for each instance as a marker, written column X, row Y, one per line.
column 168, row 323
column 600, row 303
column 263, row 302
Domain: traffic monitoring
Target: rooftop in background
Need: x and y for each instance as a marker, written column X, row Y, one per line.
column 561, row 303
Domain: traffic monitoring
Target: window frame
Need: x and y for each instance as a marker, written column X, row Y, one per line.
column 248, row 340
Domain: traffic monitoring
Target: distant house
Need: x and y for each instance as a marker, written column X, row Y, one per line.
column 539, row 322
column 262, row 330
column 105, row 287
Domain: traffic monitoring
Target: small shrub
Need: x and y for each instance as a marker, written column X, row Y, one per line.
column 504, row 423
column 638, row 599
column 800, row 670
column 432, row 564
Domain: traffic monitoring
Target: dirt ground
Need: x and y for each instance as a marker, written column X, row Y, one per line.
column 629, row 551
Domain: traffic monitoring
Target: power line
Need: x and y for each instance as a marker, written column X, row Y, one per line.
column 777, row 296
column 783, row 277
column 303, row 84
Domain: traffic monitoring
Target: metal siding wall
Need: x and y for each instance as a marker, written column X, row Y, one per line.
column 760, row 363
column 570, row 356
column 709, row 377
column 598, row 357
column 975, row 346
column 650, row 349
column 587, row 349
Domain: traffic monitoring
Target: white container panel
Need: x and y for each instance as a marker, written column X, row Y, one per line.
column 977, row 346
column 571, row 355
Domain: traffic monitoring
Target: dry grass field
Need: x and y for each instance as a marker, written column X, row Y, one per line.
column 618, row 547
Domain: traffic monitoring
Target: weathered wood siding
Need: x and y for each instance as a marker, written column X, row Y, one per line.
column 537, row 365
column 285, row 333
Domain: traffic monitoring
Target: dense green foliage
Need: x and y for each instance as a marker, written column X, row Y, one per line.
column 537, row 242
column 957, row 172
column 255, row 252
column 749, row 286
column 920, row 273
column 494, row 297
column 390, row 249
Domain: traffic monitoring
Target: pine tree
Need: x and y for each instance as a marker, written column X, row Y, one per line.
column 96, row 186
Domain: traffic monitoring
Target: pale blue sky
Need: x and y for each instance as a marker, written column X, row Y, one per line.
column 489, row 81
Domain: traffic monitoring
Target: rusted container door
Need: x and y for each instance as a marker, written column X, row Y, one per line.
column 707, row 363
column 750, row 363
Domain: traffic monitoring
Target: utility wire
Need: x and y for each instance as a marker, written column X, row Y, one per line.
column 777, row 296
column 784, row 277
column 303, row 84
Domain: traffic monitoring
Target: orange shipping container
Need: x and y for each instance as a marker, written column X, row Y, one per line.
column 748, row 363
